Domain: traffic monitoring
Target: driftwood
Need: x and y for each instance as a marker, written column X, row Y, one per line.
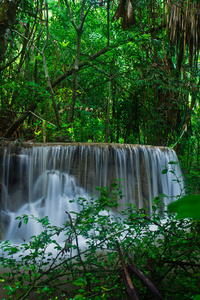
column 144, row 279
column 132, row 269
column 130, row 288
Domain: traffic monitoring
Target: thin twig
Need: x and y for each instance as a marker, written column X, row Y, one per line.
column 43, row 120
column 78, row 249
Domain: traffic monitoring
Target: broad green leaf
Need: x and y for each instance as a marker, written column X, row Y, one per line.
column 164, row 171
column 79, row 297
column 80, row 282
column 186, row 207
column 20, row 224
column 25, row 221
column 45, row 289
column 173, row 162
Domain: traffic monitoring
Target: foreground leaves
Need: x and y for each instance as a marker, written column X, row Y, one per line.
column 102, row 252
column 186, row 207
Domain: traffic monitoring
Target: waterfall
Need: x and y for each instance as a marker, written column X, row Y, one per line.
column 41, row 180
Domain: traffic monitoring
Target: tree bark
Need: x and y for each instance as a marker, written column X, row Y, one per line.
column 7, row 20
column 75, row 75
column 79, row 30
column 19, row 121
column 108, row 113
column 49, row 87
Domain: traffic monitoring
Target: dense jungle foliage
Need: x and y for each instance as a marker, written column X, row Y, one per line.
column 119, row 71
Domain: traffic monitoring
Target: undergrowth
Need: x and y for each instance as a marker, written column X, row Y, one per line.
column 127, row 254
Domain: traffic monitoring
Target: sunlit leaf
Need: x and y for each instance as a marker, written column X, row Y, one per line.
column 80, row 282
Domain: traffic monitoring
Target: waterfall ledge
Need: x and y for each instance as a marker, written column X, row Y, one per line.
column 40, row 179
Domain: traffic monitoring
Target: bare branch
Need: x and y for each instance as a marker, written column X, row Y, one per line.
column 70, row 14
column 47, row 27
column 43, row 120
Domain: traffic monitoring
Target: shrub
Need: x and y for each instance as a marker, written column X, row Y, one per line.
column 100, row 253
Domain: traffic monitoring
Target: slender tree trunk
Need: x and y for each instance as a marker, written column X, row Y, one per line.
column 79, row 31
column 7, row 20
column 108, row 22
column 49, row 86
column 108, row 113
column 75, row 75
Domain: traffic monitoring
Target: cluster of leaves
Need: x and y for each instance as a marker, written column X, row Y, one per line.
column 106, row 252
column 189, row 154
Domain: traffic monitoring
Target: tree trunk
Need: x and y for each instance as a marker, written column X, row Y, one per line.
column 108, row 113
column 7, row 21
column 19, row 121
column 49, row 86
column 79, row 31
column 75, row 75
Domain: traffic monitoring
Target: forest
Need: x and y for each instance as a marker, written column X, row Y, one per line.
column 106, row 71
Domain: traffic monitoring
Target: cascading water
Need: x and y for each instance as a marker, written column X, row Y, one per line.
column 40, row 180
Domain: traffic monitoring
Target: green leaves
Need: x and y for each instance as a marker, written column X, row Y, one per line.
column 164, row 171
column 80, row 282
column 23, row 219
column 186, row 207
column 93, row 272
column 172, row 162
column 167, row 169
